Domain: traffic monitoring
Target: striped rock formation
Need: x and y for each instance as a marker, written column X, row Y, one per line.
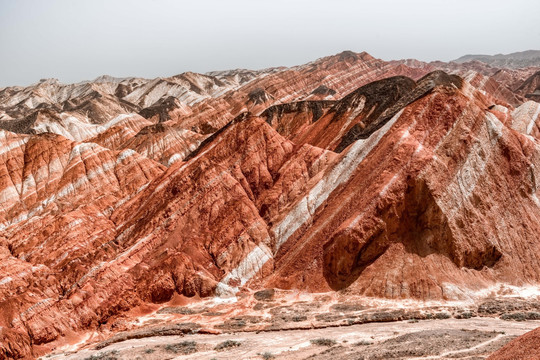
column 57, row 199
column 347, row 173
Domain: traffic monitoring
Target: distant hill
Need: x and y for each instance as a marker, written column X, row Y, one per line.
column 514, row 60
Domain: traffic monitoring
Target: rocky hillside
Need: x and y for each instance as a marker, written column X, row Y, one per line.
column 515, row 60
column 526, row 347
column 349, row 174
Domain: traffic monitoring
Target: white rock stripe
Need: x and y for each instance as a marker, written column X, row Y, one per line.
column 7, row 195
column 301, row 213
column 473, row 169
column 80, row 150
column 66, row 190
column 351, row 117
column 533, row 120
column 525, row 116
column 246, row 269
column 4, row 149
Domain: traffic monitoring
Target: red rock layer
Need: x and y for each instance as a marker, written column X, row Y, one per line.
column 339, row 75
column 164, row 143
column 57, row 198
column 526, row 347
column 423, row 211
column 161, row 241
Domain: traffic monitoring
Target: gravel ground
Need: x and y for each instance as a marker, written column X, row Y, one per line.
column 473, row 338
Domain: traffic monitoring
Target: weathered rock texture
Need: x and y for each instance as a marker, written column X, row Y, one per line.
column 526, row 347
column 386, row 179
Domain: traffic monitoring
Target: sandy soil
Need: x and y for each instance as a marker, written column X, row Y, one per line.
column 437, row 339
column 291, row 325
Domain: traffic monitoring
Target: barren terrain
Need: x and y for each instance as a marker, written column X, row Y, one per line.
column 290, row 325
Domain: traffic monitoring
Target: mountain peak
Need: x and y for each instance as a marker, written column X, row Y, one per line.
column 349, row 55
column 49, row 81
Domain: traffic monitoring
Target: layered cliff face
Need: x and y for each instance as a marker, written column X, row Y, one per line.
column 346, row 174
column 57, row 200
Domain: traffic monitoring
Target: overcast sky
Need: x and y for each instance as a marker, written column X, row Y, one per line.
column 74, row 40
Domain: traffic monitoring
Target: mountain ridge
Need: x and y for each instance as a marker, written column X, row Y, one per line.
column 513, row 60
column 347, row 175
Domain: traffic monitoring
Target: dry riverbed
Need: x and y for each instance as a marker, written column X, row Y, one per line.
column 288, row 325
column 439, row 339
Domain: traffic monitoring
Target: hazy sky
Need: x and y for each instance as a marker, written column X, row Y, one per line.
column 74, row 40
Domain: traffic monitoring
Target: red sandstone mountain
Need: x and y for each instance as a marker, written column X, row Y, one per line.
column 385, row 179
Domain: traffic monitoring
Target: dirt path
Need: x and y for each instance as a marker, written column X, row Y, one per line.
column 466, row 351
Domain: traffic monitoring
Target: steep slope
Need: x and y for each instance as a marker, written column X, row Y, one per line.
column 500, row 93
column 164, row 143
column 168, row 229
column 169, row 108
column 57, row 197
column 530, row 88
column 526, row 347
column 95, row 96
column 188, row 88
column 526, row 119
column 406, row 212
column 204, row 103
column 513, row 79
column 356, row 116
column 292, row 119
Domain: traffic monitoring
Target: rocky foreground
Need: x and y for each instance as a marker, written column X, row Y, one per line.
column 285, row 324
column 348, row 176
